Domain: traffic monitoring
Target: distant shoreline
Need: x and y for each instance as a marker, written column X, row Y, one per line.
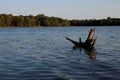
column 41, row 20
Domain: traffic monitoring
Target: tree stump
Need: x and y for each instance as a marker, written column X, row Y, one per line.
column 88, row 45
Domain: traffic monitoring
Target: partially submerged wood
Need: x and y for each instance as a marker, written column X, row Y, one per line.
column 88, row 45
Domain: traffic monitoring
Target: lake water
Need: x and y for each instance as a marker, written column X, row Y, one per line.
column 45, row 54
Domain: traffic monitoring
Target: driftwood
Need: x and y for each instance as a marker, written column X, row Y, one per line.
column 88, row 45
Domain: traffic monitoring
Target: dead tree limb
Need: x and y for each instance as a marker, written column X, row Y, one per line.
column 91, row 33
column 88, row 44
column 72, row 41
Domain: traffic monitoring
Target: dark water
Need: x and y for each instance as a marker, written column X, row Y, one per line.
column 45, row 54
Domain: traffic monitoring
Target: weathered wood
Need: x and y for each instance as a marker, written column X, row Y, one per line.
column 91, row 33
column 88, row 44
column 72, row 41
column 94, row 41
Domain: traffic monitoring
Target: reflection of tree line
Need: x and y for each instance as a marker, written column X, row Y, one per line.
column 42, row 20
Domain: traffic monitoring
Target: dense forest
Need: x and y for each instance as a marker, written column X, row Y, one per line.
column 39, row 20
column 93, row 22
column 42, row 20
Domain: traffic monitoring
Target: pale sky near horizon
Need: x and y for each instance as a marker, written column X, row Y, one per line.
column 68, row 9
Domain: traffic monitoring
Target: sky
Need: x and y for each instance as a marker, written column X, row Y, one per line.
column 67, row 9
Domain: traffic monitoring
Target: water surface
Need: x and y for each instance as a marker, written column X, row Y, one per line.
column 45, row 54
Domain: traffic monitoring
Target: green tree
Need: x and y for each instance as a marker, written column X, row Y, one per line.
column 20, row 20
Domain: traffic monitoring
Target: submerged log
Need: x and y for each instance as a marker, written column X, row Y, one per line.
column 88, row 44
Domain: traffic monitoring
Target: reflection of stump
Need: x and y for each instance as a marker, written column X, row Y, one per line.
column 88, row 44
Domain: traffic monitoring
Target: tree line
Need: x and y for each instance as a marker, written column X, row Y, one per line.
column 42, row 20
column 38, row 20
column 93, row 22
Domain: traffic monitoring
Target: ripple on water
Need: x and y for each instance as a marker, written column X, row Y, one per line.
column 44, row 54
